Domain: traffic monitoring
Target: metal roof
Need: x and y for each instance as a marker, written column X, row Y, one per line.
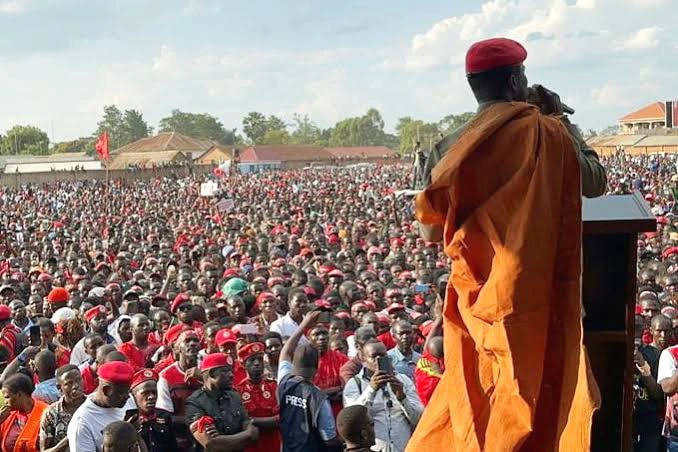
column 46, row 167
column 659, row 140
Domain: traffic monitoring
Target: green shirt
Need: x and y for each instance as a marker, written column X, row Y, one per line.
column 593, row 177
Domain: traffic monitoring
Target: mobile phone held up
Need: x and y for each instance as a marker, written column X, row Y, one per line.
column 384, row 364
column 34, row 336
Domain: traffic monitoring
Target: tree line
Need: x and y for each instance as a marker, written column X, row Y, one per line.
column 127, row 126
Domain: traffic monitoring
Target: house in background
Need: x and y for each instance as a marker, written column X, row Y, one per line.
column 651, row 117
column 217, row 154
column 161, row 149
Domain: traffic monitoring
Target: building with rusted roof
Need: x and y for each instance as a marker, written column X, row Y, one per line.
column 650, row 117
column 216, row 154
column 260, row 157
column 168, row 141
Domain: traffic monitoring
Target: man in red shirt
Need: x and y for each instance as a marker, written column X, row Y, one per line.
column 329, row 364
column 139, row 351
column 227, row 342
column 185, row 312
column 259, row 398
column 177, row 382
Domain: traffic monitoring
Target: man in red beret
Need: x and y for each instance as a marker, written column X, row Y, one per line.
column 258, row 396
column 516, row 283
column 106, row 405
column 153, row 424
column 185, row 312
column 495, row 71
column 216, row 404
column 178, row 381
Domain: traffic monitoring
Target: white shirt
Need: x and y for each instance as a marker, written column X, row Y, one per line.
column 78, row 354
column 352, row 350
column 286, row 326
column 667, row 365
column 85, row 430
column 404, row 415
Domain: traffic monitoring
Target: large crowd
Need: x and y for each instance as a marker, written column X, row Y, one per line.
column 143, row 316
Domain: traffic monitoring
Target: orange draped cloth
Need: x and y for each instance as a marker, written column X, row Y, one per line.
column 27, row 441
column 508, row 196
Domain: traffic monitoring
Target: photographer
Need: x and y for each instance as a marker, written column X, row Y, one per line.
column 390, row 398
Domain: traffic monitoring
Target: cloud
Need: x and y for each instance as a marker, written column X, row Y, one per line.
column 14, row 6
column 555, row 32
column 330, row 98
column 643, row 39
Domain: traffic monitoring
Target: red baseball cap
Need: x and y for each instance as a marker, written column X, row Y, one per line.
column 225, row 336
column 214, row 361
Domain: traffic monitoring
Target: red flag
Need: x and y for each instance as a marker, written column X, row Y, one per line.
column 101, row 146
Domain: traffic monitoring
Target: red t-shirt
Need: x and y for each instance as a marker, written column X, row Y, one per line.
column 137, row 357
column 260, row 401
column 328, row 375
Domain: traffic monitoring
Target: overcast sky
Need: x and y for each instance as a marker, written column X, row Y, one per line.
column 62, row 60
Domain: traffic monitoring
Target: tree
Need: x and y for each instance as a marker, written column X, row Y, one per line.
column 609, row 131
column 197, row 125
column 83, row 144
column 453, row 122
column 591, row 133
column 410, row 131
column 111, row 122
column 305, row 131
column 367, row 130
column 123, row 128
column 256, row 126
column 276, row 137
column 133, row 127
column 25, row 140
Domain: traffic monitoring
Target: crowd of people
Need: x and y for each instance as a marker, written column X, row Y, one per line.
column 303, row 314
column 196, row 324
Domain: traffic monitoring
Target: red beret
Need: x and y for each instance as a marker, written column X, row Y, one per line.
column 342, row 315
column 275, row 280
column 230, row 273
column 383, row 318
column 172, row 334
column 337, row 273
column 116, row 372
column 494, row 53
column 249, row 350
column 91, row 313
column 44, row 277
column 310, row 291
column 323, row 305
column 58, row 295
column 178, row 301
column 5, row 312
column 142, row 376
column 426, row 327
column 215, row 360
column 395, row 307
column 373, row 250
column 224, row 337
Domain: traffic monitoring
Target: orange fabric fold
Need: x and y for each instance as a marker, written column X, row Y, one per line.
column 508, row 195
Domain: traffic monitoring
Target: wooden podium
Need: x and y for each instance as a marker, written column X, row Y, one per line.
column 611, row 228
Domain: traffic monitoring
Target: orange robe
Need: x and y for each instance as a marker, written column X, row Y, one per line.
column 27, row 441
column 508, row 195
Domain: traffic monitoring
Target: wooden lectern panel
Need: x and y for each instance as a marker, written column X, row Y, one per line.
column 611, row 227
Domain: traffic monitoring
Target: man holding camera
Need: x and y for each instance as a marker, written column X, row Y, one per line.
column 389, row 396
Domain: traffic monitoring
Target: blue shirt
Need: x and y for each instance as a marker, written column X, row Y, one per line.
column 47, row 391
column 403, row 364
column 326, row 425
